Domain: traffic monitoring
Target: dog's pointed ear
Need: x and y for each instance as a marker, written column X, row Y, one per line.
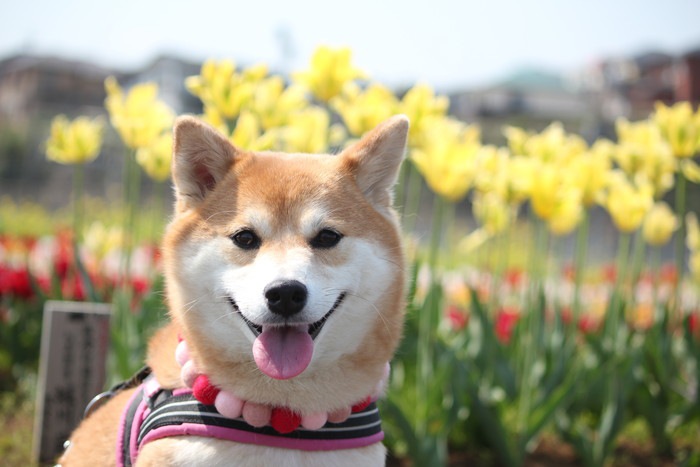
column 201, row 158
column 376, row 158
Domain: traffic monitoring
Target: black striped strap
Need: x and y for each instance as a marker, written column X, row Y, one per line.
column 172, row 410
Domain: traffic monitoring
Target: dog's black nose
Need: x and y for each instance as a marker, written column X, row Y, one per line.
column 285, row 298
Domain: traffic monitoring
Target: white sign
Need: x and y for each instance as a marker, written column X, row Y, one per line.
column 74, row 343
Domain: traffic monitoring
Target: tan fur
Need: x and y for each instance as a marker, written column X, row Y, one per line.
column 94, row 442
column 220, row 188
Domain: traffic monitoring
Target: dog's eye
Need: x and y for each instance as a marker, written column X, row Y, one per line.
column 246, row 239
column 326, row 238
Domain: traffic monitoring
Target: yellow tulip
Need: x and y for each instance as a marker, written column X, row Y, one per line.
column 553, row 144
column 546, row 189
column 556, row 174
column 492, row 212
column 307, row 132
column 248, row 134
column 101, row 240
column 691, row 170
column 510, row 177
column 491, row 175
column 139, row 117
column 274, row 104
column 155, row 159
column 76, row 142
column 628, row 203
column 330, row 70
column 516, row 137
column 555, row 198
column 590, row 171
column 567, row 214
column 255, row 73
column 420, row 104
column 214, row 118
column 659, row 224
column 680, row 127
column 220, row 87
column 362, row 110
column 447, row 158
column 642, row 152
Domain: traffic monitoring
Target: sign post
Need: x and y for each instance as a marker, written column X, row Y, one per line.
column 74, row 343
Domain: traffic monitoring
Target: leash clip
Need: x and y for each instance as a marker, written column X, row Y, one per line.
column 97, row 402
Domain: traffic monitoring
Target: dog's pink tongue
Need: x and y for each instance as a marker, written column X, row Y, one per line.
column 283, row 352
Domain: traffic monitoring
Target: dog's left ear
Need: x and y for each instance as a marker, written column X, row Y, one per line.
column 376, row 158
column 201, row 158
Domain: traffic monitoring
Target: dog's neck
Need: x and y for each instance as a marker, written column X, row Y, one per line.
column 283, row 419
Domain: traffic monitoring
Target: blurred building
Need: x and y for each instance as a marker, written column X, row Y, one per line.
column 687, row 77
column 630, row 86
column 528, row 98
column 588, row 101
column 34, row 89
column 31, row 87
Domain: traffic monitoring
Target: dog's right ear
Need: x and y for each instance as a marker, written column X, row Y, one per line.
column 201, row 158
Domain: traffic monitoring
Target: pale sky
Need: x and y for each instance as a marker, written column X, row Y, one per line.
column 448, row 44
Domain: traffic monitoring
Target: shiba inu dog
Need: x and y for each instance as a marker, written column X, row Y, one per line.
column 285, row 285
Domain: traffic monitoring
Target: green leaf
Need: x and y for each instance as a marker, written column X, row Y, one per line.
column 558, row 400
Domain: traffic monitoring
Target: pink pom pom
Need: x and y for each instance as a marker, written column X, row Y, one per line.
column 257, row 415
column 182, row 353
column 188, row 373
column 228, row 405
column 204, row 391
column 314, row 421
column 339, row 416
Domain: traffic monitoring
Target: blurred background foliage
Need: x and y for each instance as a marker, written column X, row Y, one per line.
column 553, row 306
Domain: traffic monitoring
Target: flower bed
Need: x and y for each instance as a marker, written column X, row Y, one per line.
column 507, row 343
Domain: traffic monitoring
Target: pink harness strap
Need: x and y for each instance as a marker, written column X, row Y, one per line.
column 153, row 413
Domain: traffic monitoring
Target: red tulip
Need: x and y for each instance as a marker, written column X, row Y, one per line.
column 506, row 320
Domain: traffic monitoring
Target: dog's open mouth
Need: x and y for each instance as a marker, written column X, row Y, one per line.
column 283, row 351
column 314, row 328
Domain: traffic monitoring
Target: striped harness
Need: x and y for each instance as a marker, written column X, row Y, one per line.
column 154, row 413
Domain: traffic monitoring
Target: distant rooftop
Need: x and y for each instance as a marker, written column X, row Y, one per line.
column 532, row 79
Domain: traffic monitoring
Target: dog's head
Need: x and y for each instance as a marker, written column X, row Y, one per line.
column 286, row 270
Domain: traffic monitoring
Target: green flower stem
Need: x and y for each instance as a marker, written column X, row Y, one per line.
column 412, row 197
column 158, row 214
column 580, row 261
column 78, row 201
column 618, row 293
column 132, row 196
column 534, row 325
column 447, row 222
column 541, row 251
column 680, row 237
column 124, row 325
column 495, row 266
column 638, row 253
column 427, row 323
column 655, row 263
column 441, row 213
